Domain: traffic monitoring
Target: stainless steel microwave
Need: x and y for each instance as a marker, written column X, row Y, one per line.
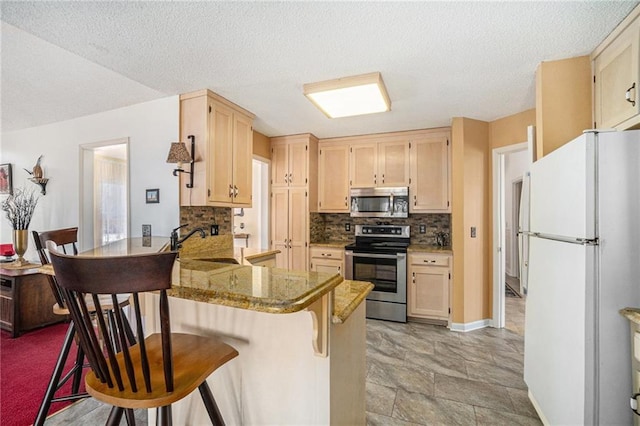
column 380, row 202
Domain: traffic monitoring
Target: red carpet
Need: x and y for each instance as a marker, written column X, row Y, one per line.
column 26, row 364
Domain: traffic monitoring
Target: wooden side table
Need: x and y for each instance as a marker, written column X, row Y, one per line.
column 26, row 301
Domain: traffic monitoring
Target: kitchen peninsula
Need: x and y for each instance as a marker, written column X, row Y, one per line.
column 301, row 338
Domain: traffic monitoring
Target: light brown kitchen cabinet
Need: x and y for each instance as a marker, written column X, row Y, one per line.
column 393, row 163
column 292, row 198
column 362, row 165
column 223, row 151
column 290, row 227
column 429, row 278
column 419, row 159
column 383, row 164
column 289, row 164
column 333, row 178
column 616, row 68
column 327, row 259
column 430, row 188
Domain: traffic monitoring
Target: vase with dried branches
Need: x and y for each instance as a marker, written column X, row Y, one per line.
column 19, row 209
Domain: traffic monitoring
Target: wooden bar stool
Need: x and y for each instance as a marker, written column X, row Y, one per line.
column 66, row 240
column 159, row 370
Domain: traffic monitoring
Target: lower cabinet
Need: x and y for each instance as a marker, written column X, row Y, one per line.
column 429, row 279
column 326, row 259
column 26, row 301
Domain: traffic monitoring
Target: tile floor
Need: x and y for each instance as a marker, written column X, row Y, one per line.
column 420, row 374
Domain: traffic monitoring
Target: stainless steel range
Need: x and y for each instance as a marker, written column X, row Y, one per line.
column 379, row 255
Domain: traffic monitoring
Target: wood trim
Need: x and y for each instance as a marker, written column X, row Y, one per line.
column 385, row 137
column 622, row 26
column 217, row 98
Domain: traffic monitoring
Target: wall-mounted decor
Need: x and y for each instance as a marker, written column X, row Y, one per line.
column 153, row 196
column 38, row 176
column 6, row 179
column 178, row 154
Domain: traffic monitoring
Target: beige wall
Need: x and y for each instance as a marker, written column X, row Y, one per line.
column 473, row 142
column 470, row 162
column 512, row 129
column 261, row 145
column 563, row 102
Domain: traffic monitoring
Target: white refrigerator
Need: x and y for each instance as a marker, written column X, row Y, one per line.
column 584, row 266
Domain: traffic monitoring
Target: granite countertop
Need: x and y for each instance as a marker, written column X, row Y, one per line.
column 128, row 246
column 347, row 297
column 330, row 244
column 632, row 314
column 425, row 248
column 259, row 289
column 250, row 254
column 255, row 288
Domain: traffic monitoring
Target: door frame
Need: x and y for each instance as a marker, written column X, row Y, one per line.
column 499, row 240
column 82, row 184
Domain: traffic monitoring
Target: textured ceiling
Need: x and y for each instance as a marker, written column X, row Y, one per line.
column 62, row 60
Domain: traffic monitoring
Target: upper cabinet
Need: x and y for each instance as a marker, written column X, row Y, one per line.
column 379, row 164
column 289, row 161
column 617, row 76
column 223, row 151
column 419, row 159
column 430, row 188
column 333, row 182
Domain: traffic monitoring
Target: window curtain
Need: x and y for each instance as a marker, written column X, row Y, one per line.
column 110, row 200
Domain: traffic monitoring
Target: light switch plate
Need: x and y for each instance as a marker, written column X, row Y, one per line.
column 473, row 232
column 214, row 229
column 423, row 229
column 146, row 230
column 347, row 227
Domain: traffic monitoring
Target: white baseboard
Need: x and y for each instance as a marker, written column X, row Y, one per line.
column 543, row 419
column 470, row 326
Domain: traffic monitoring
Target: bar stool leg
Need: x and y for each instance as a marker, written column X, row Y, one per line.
column 75, row 388
column 210, row 404
column 55, row 377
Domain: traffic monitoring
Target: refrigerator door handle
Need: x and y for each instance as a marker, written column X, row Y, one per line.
column 570, row 240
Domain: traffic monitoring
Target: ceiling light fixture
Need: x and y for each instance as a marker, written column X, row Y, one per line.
column 348, row 96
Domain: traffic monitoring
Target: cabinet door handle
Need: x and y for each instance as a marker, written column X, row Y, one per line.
column 235, row 191
column 383, row 178
column 629, row 97
column 230, row 191
column 290, row 178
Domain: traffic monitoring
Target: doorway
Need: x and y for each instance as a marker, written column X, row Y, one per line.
column 252, row 224
column 510, row 164
column 104, row 193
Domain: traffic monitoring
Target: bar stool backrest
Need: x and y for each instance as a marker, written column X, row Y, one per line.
column 82, row 279
column 67, row 241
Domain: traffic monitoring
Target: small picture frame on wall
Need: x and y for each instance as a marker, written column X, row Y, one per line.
column 6, row 179
column 153, row 196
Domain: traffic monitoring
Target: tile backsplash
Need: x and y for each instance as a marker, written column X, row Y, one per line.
column 331, row 226
column 205, row 216
column 324, row 226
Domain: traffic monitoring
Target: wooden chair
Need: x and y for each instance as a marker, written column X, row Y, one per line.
column 159, row 370
column 66, row 240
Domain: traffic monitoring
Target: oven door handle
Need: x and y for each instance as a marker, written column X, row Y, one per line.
column 379, row 256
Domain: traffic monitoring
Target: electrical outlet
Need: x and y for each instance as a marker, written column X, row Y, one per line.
column 423, row 229
column 473, row 232
column 146, row 230
column 214, row 229
column 347, row 227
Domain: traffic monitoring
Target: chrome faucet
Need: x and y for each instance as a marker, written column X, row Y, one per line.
column 176, row 242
